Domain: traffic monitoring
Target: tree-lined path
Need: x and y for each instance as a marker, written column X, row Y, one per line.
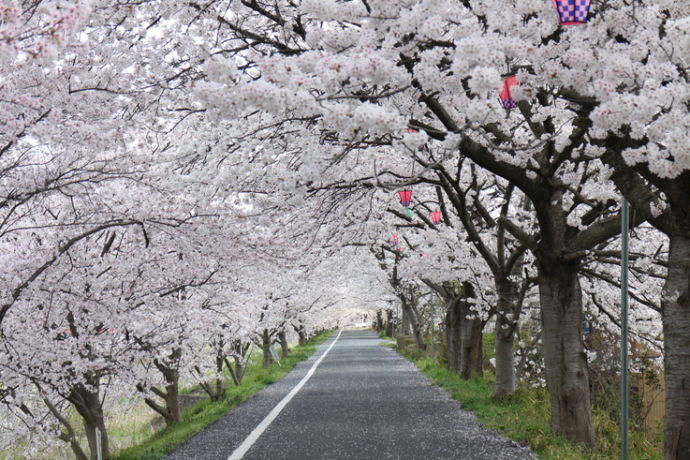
column 363, row 402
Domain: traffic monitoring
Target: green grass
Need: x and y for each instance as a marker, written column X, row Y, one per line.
column 206, row 412
column 524, row 417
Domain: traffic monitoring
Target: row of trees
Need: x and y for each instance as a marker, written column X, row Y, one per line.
column 131, row 263
column 268, row 136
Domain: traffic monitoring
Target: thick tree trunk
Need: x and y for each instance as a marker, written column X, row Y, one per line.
column 506, row 322
column 505, row 362
column 301, row 333
column 406, row 328
column 266, row 348
column 171, row 397
column 676, row 321
column 379, row 321
column 170, row 410
column 88, row 405
column 284, row 350
column 567, row 375
column 410, row 313
column 471, row 353
column 453, row 322
column 463, row 334
column 389, row 323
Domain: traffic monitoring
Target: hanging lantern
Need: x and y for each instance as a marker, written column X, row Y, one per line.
column 405, row 197
column 395, row 240
column 406, row 200
column 505, row 95
column 572, row 11
column 436, row 217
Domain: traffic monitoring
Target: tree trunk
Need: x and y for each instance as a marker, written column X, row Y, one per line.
column 471, row 355
column 284, row 350
column 567, row 375
column 240, row 350
column 214, row 388
column 676, row 321
column 266, row 348
column 88, row 405
column 453, row 322
column 410, row 313
column 302, row 334
column 170, row 411
column 389, row 323
column 505, row 362
column 379, row 321
column 506, row 323
column 406, row 326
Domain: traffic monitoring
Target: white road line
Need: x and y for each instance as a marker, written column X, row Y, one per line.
column 258, row 431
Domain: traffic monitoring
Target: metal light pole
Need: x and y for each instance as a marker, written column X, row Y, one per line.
column 625, row 226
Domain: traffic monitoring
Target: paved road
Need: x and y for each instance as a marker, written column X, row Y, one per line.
column 362, row 402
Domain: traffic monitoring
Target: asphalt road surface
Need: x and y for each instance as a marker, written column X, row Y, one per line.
column 363, row 401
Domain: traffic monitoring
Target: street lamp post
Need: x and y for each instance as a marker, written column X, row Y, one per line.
column 625, row 229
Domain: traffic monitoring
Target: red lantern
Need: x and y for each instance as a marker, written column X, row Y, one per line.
column 572, row 11
column 436, row 217
column 395, row 240
column 405, row 197
column 505, row 94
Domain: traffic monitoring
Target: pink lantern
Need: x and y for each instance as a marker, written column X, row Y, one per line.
column 572, row 11
column 395, row 240
column 436, row 217
column 505, row 95
column 405, row 197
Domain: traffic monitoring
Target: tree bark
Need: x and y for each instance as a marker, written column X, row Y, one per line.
column 214, row 388
column 676, row 323
column 508, row 311
column 389, row 323
column 88, row 405
column 463, row 334
column 471, row 353
column 301, row 333
column 406, row 328
column 410, row 312
column 170, row 411
column 284, row 350
column 453, row 321
column 240, row 350
column 567, row 375
column 266, row 348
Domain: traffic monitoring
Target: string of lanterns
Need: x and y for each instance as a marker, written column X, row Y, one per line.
column 570, row 12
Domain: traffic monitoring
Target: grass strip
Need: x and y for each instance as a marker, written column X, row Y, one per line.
column 525, row 418
column 206, row 412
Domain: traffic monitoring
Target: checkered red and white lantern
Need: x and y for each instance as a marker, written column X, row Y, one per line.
column 505, row 95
